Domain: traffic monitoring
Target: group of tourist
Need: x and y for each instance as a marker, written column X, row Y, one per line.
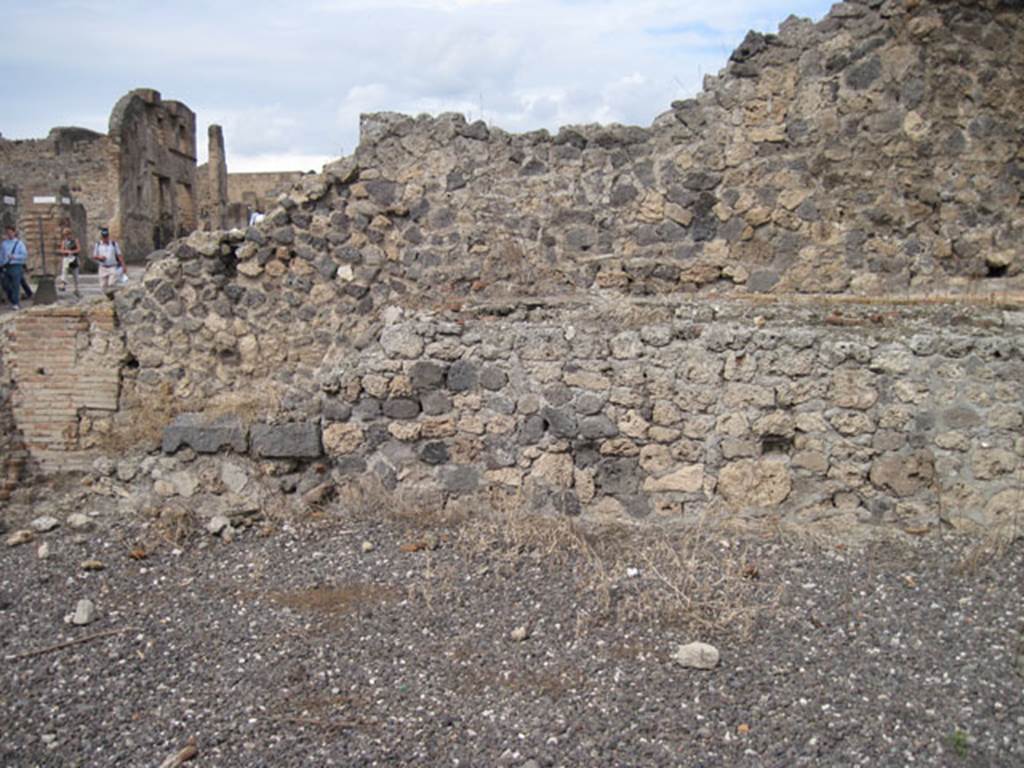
column 14, row 254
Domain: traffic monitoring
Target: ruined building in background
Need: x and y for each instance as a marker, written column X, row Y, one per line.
column 227, row 199
column 140, row 179
column 796, row 295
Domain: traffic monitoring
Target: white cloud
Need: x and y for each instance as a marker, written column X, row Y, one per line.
column 277, row 162
column 292, row 84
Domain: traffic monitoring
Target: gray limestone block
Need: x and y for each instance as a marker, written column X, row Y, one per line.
column 477, row 130
column 284, row 235
column 366, row 409
column 205, row 435
column 382, row 191
column 590, row 404
column 499, row 454
column 558, row 394
column 333, row 409
column 500, row 404
column 863, row 75
column 286, row 441
column 532, row 430
column 348, row 466
column 618, row 476
column 493, row 378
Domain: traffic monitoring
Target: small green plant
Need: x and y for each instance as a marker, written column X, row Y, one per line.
column 959, row 743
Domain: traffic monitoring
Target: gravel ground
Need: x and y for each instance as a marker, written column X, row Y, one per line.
column 345, row 641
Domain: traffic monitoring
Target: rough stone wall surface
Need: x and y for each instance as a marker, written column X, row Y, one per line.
column 8, row 204
column 896, row 417
column 82, row 161
column 246, row 192
column 156, row 142
column 459, row 309
column 62, row 373
column 260, row 190
column 876, row 150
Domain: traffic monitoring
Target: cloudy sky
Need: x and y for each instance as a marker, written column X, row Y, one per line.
column 288, row 81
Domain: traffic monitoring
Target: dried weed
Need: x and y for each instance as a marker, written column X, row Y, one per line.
column 685, row 577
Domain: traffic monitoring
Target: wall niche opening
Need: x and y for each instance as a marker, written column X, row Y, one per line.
column 776, row 444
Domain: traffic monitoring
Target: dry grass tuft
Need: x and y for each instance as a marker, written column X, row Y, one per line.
column 175, row 522
column 686, row 577
column 696, row 576
column 250, row 404
column 142, row 425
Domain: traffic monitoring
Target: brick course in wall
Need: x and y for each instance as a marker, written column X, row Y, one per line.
column 61, row 370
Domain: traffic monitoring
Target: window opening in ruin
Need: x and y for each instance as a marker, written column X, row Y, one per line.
column 186, row 209
column 996, row 270
column 163, row 229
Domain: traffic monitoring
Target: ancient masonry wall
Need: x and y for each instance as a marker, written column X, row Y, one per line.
column 82, row 160
column 246, row 192
column 138, row 179
column 578, row 322
column 865, row 415
column 61, row 378
column 156, row 180
column 261, row 190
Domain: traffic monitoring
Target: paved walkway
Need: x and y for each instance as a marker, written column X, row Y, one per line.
column 88, row 286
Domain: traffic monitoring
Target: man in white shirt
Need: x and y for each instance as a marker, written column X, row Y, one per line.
column 107, row 253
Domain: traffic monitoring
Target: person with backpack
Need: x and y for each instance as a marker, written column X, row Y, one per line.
column 107, row 253
column 13, row 255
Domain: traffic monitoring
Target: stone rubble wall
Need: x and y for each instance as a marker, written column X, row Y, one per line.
column 861, row 416
column 436, row 212
column 464, row 311
column 877, row 150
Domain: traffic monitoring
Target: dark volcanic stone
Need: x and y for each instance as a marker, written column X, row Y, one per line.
column 462, row 376
column 426, row 375
column 286, row 441
column 460, row 479
column 367, row 408
column 434, row 453
column 562, row 423
column 401, row 408
column 594, row 427
column 863, row 75
column 203, row 435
